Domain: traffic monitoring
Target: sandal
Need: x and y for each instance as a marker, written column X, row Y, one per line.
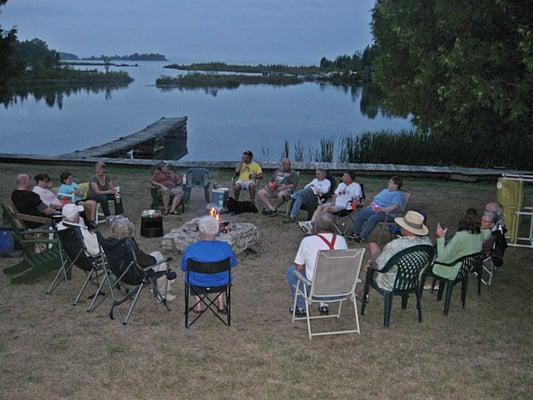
column 223, row 310
column 164, row 212
column 173, row 212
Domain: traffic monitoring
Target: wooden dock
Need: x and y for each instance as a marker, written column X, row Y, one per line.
column 145, row 143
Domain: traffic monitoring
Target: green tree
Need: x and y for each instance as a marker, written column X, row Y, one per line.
column 8, row 64
column 460, row 68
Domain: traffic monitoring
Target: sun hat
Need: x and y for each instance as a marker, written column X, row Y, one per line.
column 70, row 211
column 413, row 222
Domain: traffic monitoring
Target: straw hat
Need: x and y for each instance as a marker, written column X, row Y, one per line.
column 413, row 222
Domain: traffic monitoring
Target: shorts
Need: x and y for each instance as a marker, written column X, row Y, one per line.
column 274, row 194
column 245, row 185
column 173, row 192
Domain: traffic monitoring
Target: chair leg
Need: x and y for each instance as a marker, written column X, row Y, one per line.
column 479, row 276
column 381, row 233
column 354, row 301
column 405, row 298
column 448, row 300
column 387, row 309
column 464, row 287
column 365, row 294
column 419, row 303
column 83, row 288
column 228, row 303
column 186, row 306
column 136, row 298
column 442, row 285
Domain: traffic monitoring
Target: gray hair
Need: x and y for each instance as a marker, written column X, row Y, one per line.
column 22, row 178
column 208, row 225
column 122, row 229
column 323, row 222
column 493, row 215
column 495, row 207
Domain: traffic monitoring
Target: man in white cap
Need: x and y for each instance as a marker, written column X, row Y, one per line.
column 414, row 233
column 71, row 218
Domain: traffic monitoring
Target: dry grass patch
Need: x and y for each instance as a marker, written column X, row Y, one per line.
column 49, row 349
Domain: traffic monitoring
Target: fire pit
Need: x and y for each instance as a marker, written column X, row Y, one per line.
column 239, row 235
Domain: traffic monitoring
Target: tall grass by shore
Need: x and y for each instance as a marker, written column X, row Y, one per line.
column 419, row 148
column 71, row 76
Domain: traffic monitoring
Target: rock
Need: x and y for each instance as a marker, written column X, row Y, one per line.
column 240, row 236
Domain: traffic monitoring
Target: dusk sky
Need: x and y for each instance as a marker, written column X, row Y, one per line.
column 238, row 31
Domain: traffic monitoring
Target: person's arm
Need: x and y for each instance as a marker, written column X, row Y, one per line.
column 95, row 189
column 155, row 181
column 447, row 252
column 43, row 208
column 257, row 172
column 238, row 166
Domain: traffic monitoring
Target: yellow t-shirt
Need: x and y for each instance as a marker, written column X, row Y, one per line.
column 247, row 169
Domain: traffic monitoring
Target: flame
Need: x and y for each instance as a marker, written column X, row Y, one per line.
column 214, row 213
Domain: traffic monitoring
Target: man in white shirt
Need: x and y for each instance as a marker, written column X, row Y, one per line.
column 306, row 257
column 347, row 193
column 318, row 186
column 71, row 218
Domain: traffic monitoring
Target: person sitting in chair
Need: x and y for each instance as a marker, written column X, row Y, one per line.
column 169, row 185
column 497, row 212
column 43, row 188
column 309, row 194
column 71, row 188
column 248, row 172
column 123, row 229
column 414, row 233
column 102, row 190
column 389, row 201
column 347, row 194
column 467, row 240
column 208, row 249
column 307, row 255
column 280, row 187
column 71, row 218
column 28, row 202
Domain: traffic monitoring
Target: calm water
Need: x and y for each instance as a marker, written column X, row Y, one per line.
column 222, row 123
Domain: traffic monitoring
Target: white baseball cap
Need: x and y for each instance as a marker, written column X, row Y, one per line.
column 71, row 211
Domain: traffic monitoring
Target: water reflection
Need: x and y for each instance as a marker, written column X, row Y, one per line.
column 53, row 95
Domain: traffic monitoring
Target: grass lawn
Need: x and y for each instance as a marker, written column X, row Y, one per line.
column 51, row 350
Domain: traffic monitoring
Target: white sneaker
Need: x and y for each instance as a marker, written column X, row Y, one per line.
column 170, row 297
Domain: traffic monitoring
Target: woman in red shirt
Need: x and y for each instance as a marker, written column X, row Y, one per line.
column 169, row 184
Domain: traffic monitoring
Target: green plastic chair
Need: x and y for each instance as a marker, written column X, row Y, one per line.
column 410, row 263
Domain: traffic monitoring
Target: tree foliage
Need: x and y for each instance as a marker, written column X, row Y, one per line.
column 8, row 64
column 460, row 68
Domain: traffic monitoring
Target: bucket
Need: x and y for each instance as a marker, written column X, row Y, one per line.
column 6, row 240
column 219, row 197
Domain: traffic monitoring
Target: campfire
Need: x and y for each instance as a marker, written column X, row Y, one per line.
column 223, row 226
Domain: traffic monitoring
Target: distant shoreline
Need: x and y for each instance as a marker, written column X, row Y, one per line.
column 66, row 62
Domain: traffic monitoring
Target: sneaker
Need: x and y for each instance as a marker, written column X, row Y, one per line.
column 300, row 312
column 323, row 309
column 170, row 297
column 354, row 236
column 265, row 211
column 273, row 213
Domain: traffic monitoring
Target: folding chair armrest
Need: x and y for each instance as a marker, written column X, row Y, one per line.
column 478, row 255
column 156, row 264
column 303, row 278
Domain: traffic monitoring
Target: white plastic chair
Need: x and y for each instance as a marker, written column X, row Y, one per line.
column 334, row 281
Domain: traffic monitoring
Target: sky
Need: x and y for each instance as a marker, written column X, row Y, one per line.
column 234, row 31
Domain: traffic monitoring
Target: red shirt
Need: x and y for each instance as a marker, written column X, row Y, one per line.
column 168, row 179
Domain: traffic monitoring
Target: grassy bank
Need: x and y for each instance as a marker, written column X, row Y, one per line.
column 197, row 80
column 259, row 69
column 482, row 352
column 70, row 76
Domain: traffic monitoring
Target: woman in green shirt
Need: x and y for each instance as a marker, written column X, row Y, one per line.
column 467, row 240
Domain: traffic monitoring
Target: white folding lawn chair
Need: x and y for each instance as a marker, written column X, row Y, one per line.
column 334, row 281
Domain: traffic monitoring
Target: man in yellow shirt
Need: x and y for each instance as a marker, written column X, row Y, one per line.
column 248, row 172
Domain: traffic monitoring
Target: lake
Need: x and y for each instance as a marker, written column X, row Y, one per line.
column 221, row 122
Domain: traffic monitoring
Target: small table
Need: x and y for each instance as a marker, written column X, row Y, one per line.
column 152, row 225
